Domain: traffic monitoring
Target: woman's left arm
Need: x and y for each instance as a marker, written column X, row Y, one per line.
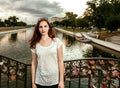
column 61, row 67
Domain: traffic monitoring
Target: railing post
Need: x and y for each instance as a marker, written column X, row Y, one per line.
column 79, row 82
column 25, row 83
column 119, row 83
column 16, row 75
column 8, row 74
column 119, row 78
column 0, row 71
column 100, row 76
column 0, row 77
column 90, row 81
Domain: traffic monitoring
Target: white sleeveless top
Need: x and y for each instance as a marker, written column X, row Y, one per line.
column 47, row 72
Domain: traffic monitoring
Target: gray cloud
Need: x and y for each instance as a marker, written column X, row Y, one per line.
column 35, row 8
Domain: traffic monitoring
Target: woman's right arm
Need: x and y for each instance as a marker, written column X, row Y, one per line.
column 33, row 69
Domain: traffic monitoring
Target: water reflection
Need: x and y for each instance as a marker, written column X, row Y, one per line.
column 69, row 41
column 13, row 37
column 4, row 40
column 1, row 37
column 21, row 36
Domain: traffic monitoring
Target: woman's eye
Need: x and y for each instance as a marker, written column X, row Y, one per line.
column 45, row 26
column 40, row 26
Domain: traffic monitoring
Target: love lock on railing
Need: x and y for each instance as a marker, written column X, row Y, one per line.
column 14, row 71
column 101, row 72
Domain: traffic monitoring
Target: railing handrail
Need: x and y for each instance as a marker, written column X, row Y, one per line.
column 15, row 60
column 93, row 58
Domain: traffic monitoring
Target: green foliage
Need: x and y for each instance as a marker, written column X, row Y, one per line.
column 81, row 23
column 112, row 23
column 103, row 13
column 70, row 15
column 56, row 23
column 65, row 23
column 12, row 21
column 1, row 23
column 21, row 23
column 70, row 19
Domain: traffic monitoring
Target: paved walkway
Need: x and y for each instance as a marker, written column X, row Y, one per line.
column 114, row 39
column 13, row 31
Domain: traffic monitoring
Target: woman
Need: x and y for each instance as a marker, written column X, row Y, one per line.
column 47, row 57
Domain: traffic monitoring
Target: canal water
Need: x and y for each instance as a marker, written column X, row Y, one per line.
column 16, row 46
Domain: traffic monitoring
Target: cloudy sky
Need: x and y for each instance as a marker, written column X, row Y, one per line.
column 31, row 10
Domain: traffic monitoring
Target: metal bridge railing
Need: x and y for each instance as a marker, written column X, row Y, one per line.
column 94, row 72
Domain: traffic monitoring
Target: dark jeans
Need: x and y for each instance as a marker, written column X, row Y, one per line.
column 53, row 86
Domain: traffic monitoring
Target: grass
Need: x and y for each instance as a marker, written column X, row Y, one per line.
column 2, row 29
column 105, row 34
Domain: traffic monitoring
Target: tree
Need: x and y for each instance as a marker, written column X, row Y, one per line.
column 65, row 23
column 13, row 20
column 1, row 23
column 81, row 23
column 21, row 23
column 56, row 23
column 118, row 17
column 112, row 23
column 70, row 17
column 100, row 11
column 7, row 22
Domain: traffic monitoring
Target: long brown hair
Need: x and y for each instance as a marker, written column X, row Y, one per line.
column 37, row 36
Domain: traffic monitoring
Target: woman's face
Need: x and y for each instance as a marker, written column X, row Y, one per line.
column 43, row 28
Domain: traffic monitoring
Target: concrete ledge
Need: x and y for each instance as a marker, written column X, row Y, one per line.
column 104, row 43
column 13, row 31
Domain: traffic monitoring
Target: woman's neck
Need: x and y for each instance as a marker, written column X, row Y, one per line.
column 45, row 37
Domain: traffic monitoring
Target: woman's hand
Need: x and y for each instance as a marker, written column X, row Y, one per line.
column 34, row 86
column 61, row 85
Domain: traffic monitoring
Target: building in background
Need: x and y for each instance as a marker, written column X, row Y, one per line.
column 59, row 19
